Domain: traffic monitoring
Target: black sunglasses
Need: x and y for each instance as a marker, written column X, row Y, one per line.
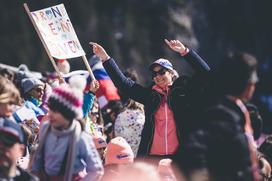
column 160, row 72
column 95, row 114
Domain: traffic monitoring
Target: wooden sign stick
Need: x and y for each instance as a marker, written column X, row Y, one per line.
column 88, row 67
column 41, row 38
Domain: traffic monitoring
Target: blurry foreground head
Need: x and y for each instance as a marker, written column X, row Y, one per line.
column 118, row 151
column 11, row 146
column 165, row 169
column 237, row 76
column 7, row 73
column 8, row 91
column 9, row 96
column 137, row 172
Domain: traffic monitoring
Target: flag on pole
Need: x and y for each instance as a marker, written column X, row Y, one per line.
column 107, row 91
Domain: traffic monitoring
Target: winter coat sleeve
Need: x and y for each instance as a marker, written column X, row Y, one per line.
column 37, row 162
column 88, row 101
column 128, row 86
column 89, row 154
column 197, row 63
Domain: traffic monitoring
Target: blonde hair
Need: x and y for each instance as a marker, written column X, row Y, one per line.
column 8, row 92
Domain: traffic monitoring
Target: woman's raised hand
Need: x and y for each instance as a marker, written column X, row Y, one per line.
column 99, row 51
column 177, row 46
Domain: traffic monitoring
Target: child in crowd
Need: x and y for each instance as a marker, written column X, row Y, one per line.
column 117, row 154
column 11, row 148
column 129, row 124
column 110, row 112
column 65, row 152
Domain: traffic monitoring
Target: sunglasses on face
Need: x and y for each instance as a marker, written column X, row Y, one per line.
column 160, row 72
column 95, row 114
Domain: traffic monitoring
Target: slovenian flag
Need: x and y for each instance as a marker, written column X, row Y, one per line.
column 107, row 91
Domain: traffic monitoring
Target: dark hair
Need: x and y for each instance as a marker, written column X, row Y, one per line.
column 115, row 106
column 130, row 103
column 234, row 74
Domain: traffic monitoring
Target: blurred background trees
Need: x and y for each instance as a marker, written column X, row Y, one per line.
column 132, row 31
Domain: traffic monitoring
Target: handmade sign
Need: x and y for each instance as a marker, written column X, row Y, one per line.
column 57, row 32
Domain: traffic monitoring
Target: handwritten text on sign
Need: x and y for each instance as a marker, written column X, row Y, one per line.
column 58, row 32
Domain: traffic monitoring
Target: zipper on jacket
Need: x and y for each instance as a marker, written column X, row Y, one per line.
column 166, row 118
column 177, row 129
column 152, row 126
column 166, row 127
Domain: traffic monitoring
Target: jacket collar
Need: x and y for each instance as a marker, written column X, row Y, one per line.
column 162, row 91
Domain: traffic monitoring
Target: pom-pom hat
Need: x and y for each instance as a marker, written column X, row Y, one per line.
column 68, row 99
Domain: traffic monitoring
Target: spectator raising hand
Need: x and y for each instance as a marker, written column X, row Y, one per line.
column 164, row 107
column 94, row 86
column 99, row 51
column 177, row 46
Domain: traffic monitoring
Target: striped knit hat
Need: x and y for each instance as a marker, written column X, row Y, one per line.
column 68, row 100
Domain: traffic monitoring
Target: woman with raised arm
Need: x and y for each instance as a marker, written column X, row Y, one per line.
column 167, row 103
